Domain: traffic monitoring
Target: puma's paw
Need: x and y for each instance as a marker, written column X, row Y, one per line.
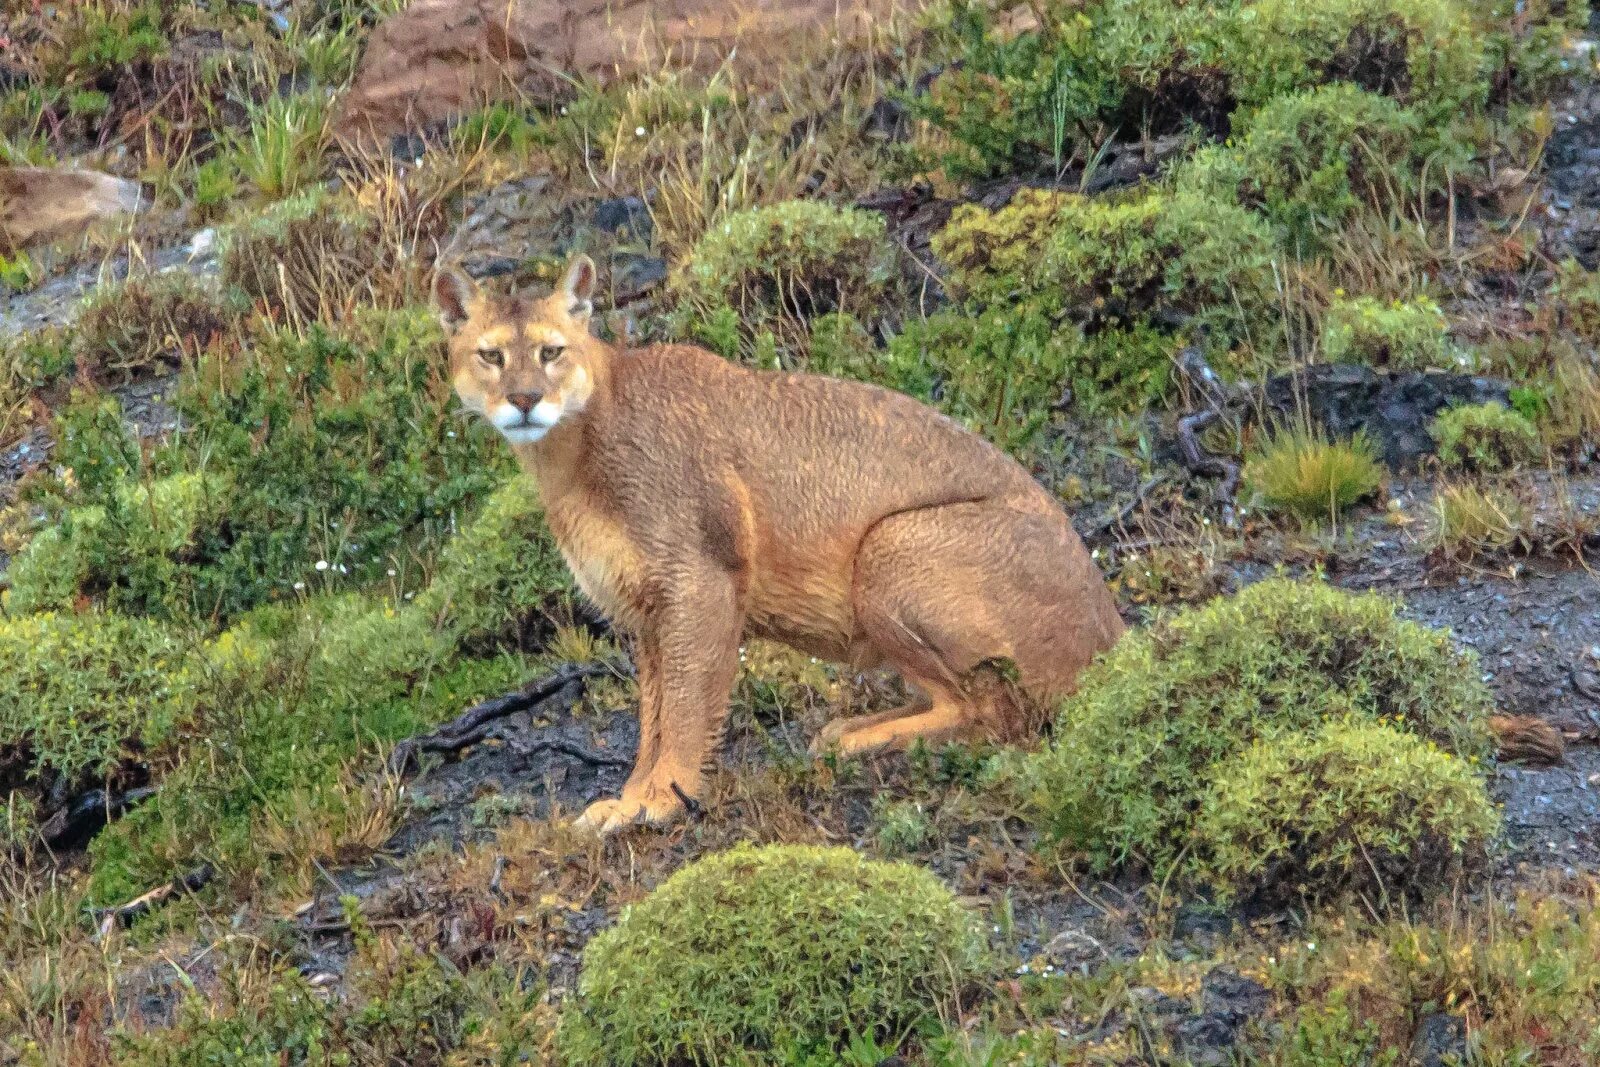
column 609, row 816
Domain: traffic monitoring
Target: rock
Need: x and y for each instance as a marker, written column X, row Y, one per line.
column 1441, row 1041
column 1526, row 739
column 1204, row 1040
column 437, row 59
column 1393, row 407
column 39, row 204
column 1074, row 950
column 1225, row 991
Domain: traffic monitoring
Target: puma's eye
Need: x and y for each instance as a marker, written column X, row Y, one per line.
column 550, row 353
column 493, row 356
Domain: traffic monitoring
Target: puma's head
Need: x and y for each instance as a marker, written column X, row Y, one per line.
column 522, row 362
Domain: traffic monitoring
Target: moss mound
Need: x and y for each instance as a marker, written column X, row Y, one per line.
column 1354, row 807
column 1399, row 334
column 1485, row 438
column 773, row 269
column 777, row 951
column 1153, row 723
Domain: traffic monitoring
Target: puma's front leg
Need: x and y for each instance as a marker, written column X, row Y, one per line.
column 688, row 653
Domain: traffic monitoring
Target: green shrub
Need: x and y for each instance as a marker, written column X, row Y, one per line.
column 127, row 553
column 501, row 579
column 80, row 695
column 1080, row 75
column 1311, row 159
column 1354, row 808
column 1485, row 438
column 783, row 950
column 1137, row 746
column 1400, row 334
column 1002, row 371
column 776, row 268
column 1298, row 473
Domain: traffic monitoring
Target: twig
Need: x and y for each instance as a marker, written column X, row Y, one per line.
column 1117, row 517
column 562, row 690
column 192, row 882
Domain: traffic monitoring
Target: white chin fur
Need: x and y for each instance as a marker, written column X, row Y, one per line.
column 508, row 420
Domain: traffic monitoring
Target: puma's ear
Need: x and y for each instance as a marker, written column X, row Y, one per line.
column 579, row 287
column 453, row 295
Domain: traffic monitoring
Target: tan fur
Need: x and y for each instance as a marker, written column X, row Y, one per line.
column 698, row 502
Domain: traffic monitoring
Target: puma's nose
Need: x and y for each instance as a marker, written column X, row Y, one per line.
column 524, row 402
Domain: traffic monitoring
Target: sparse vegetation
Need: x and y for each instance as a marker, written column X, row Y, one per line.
column 1472, row 520
column 1401, row 334
column 1300, row 474
column 788, row 951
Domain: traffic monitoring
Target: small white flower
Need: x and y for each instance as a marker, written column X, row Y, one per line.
column 298, row 586
column 410, row 595
column 342, row 570
column 322, row 564
column 638, row 131
column 391, row 572
column 450, row 433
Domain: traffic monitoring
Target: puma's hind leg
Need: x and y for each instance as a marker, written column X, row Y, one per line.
column 945, row 595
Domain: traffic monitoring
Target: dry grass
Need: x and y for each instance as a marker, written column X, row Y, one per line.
column 1299, row 473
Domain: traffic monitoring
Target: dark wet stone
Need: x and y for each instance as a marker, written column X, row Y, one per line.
column 408, row 145
column 634, row 275
column 1074, row 950
column 624, row 213
column 1394, row 408
column 1204, row 1040
column 1441, row 1041
column 1227, row 992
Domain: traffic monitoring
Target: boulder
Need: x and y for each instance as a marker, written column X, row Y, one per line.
column 437, row 59
column 40, row 204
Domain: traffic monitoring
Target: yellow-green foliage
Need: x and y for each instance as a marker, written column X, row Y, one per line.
column 1399, row 334
column 1471, row 519
column 769, row 954
column 81, row 694
column 501, row 578
column 1485, row 438
column 1298, row 473
column 775, row 268
column 1109, row 257
column 1310, row 160
column 1136, row 748
column 1355, row 807
column 124, row 552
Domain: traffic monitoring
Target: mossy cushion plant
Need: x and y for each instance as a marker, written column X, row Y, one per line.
column 1485, row 438
column 1353, row 807
column 1397, row 334
column 1297, row 472
column 1152, row 723
column 773, row 269
column 767, row 954
column 81, row 694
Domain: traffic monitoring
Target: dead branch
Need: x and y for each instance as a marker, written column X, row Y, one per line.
column 556, row 692
column 124, row 914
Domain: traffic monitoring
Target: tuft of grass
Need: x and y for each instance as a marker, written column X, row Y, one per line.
column 1471, row 520
column 282, row 152
column 148, row 322
column 776, row 268
column 1299, row 473
column 787, row 950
